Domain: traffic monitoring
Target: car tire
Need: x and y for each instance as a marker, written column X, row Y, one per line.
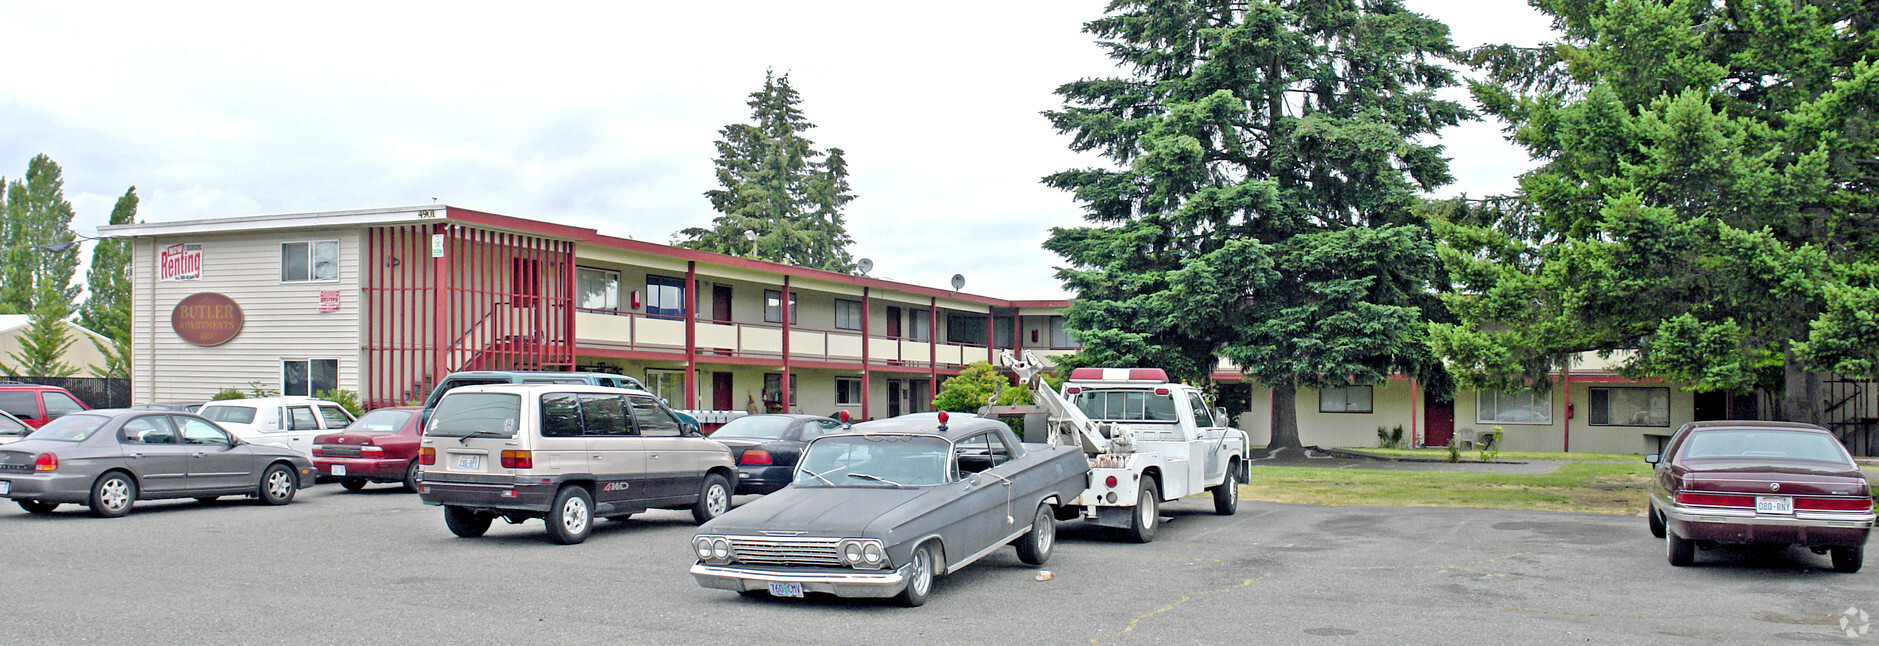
column 571, row 518
column 1681, row 551
column 277, row 485
column 920, row 577
column 1656, row 521
column 465, row 523
column 112, row 495
column 1227, row 495
column 1146, row 517
column 352, row 484
column 1848, row 559
column 37, row 508
column 1035, row 545
column 412, row 473
column 713, row 500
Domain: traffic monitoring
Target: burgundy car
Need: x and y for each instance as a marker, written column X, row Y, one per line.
column 382, row 446
column 1759, row 483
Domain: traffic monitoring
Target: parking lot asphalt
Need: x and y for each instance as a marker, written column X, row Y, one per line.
column 379, row 567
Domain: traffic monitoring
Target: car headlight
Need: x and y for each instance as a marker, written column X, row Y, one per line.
column 862, row 553
column 873, row 555
column 703, row 546
column 852, row 553
column 720, row 548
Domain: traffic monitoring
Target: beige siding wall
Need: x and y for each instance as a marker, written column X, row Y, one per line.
column 83, row 354
column 281, row 320
column 1584, row 436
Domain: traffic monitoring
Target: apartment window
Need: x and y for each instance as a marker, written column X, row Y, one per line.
column 665, row 296
column 309, row 261
column 773, row 306
column 919, row 325
column 304, row 377
column 847, row 391
column 773, row 382
column 1524, row 407
column 1059, row 335
column 1629, row 407
column 965, row 328
column 669, row 385
column 847, row 315
column 597, row 289
column 1345, row 399
column 1001, row 331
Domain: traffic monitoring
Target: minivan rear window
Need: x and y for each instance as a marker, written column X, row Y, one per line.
column 20, row 403
column 476, row 414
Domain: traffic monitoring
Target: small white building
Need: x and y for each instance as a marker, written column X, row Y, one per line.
column 83, row 354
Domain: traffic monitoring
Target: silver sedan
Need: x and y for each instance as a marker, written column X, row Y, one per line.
column 109, row 459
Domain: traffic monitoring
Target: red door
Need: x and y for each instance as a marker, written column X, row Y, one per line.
column 1438, row 422
column 721, row 303
column 893, row 322
column 721, row 391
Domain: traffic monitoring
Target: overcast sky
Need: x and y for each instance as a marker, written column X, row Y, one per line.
column 599, row 115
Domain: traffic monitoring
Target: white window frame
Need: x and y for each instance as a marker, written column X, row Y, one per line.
column 1492, row 399
column 847, row 314
column 309, row 248
column 1610, row 420
column 610, row 298
column 1340, row 400
column 311, row 387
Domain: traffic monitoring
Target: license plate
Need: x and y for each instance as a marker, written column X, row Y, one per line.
column 1774, row 505
column 786, row 589
column 470, row 462
column 339, row 469
column 5, row 487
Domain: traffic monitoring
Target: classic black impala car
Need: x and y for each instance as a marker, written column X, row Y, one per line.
column 881, row 509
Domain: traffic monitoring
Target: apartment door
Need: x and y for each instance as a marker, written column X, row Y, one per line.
column 721, row 303
column 893, row 396
column 1438, row 422
column 721, row 391
column 893, row 322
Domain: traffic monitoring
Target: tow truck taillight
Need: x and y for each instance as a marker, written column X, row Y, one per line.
column 755, row 457
column 427, row 456
column 518, row 459
column 46, row 462
column 1714, row 499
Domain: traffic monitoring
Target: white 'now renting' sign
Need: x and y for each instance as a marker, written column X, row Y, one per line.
column 180, row 261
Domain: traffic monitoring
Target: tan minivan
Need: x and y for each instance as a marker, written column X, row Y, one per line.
column 566, row 453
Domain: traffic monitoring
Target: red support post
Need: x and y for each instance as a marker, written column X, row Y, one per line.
column 867, row 369
column 932, row 347
column 783, row 384
column 689, row 301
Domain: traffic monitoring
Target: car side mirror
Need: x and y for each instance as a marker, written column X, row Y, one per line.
column 1651, row 459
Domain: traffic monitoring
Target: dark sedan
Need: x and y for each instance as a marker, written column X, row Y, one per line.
column 766, row 447
column 1759, row 483
column 110, row 459
column 382, row 446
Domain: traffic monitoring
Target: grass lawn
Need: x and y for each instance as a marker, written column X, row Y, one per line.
column 1578, row 486
column 1472, row 456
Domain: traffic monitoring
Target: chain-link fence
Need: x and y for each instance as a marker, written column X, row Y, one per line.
column 95, row 392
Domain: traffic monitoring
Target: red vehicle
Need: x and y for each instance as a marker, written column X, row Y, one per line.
column 1759, row 483
column 382, row 446
column 36, row 404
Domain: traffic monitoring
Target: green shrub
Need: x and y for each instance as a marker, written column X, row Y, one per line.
column 1454, row 448
column 257, row 391
column 1490, row 446
column 345, row 398
column 228, row 393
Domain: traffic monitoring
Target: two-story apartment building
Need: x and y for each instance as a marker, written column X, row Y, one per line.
column 384, row 301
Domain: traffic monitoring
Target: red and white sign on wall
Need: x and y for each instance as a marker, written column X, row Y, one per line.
column 329, row 301
column 180, row 261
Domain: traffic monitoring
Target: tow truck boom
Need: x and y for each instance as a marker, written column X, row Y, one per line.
column 1068, row 424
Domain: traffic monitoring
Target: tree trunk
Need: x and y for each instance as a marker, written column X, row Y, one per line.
column 1284, row 415
column 1800, row 390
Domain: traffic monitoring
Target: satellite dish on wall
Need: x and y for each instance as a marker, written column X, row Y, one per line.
column 864, row 266
column 959, row 281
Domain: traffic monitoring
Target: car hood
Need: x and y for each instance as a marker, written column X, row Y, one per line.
column 822, row 511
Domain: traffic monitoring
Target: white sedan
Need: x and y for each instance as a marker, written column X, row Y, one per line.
column 290, row 422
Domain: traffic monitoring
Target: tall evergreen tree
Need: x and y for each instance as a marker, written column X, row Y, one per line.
column 1268, row 154
column 43, row 344
column 778, row 186
column 1708, row 199
column 108, row 291
column 37, row 216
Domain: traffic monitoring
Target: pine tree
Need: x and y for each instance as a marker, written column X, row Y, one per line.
column 778, row 186
column 43, row 344
column 36, row 259
column 1268, row 154
column 108, row 291
column 1707, row 201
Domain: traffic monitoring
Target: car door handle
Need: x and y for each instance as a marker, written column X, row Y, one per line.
column 136, row 455
column 198, row 454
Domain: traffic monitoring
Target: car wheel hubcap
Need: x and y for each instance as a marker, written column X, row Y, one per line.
column 574, row 516
column 922, row 571
column 116, row 494
column 1046, row 532
column 1149, row 514
column 716, row 500
column 277, row 484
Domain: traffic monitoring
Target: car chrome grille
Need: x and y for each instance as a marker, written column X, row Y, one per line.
column 774, row 550
column 339, row 451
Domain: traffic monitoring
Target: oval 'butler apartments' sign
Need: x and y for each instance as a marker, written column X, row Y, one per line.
column 206, row 319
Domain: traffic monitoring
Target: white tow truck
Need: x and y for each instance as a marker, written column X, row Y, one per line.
column 1148, row 441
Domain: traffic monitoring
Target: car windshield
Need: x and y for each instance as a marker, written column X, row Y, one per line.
column 228, row 413
column 1126, row 405
column 12, row 427
column 875, row 460
column 70, row 428
column 380, row 421
column 1765, row 443
column 754, row 428
column 476, row 414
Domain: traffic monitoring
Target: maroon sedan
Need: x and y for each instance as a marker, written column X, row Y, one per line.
column 1759, row 483
column 382, row 446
